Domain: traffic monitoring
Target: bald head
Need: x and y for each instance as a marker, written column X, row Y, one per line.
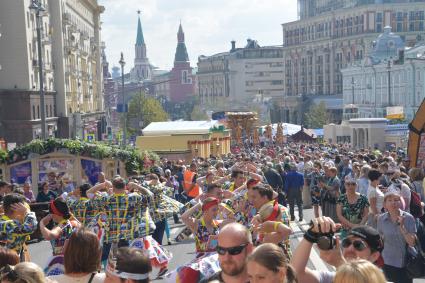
column 235, row 232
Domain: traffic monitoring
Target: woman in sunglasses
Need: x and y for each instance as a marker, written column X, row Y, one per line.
column 268, row 263
column 206, row 228
column 352, row 208
column 398, row 230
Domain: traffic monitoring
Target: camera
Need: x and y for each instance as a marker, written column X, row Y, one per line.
column 326, row 241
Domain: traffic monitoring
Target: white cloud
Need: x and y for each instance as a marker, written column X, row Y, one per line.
column 209, row 26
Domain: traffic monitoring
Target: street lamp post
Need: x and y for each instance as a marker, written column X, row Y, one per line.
column 37, row 8
column 122, row 63
column 352, row 90
column 389, row 82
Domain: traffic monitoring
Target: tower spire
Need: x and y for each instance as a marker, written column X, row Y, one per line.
column 180, row 34
column 139, row 39
column 181, row 51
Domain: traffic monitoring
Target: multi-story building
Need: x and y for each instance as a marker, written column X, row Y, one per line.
column 72, row 71
column 78, row 66
column 333, row 34
column 386, row 78
column 19, row 73
column 242, row 77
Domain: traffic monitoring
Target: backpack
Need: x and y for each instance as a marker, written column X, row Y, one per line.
column 415, row 202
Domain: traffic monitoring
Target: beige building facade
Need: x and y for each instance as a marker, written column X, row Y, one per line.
column 72, row 71
column 242, row 77
column 332, row 35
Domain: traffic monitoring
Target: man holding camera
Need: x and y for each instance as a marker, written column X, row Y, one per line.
column 362, row 242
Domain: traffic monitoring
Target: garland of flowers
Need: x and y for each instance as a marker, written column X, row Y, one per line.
column 135, row 162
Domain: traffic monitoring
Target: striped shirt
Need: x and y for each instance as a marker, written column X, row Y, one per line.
column 83, row 209
column 122, row 212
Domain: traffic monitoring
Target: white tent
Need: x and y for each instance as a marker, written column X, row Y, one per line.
column 288, row 129
column 179, row 127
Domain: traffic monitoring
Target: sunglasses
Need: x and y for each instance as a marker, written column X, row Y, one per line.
column 8, row 273
column 232, row 250
column 358, row 245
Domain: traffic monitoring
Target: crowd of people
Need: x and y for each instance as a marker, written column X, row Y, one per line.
column 367, row 224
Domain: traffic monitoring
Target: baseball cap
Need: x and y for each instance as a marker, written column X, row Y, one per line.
column 369, row 235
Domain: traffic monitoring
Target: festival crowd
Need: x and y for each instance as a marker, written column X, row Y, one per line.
column 367, row 224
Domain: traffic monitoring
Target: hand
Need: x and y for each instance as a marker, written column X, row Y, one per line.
column 400, row 220
column 20, row 209
column 256, row 221
column 324, row 225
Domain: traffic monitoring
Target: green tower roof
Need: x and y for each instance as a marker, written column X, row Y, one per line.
column 139, row 40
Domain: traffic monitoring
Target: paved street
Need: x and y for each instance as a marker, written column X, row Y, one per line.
column 184, row 251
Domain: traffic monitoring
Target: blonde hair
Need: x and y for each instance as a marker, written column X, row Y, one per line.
column 29, row 272
column 359, row 271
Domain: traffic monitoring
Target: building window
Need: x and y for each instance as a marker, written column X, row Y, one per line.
column 51, row 112
column 38, row 111
column 399, row 27
column 33, row 112
column 47, row 111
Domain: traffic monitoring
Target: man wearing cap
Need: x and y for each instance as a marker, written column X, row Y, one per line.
column 294, row 183
column 362, row 242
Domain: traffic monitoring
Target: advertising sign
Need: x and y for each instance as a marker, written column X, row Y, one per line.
column 395, row 112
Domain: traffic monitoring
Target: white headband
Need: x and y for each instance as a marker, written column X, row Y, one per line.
column 133, row 276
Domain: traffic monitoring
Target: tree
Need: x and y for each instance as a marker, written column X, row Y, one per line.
column 317, row 116
column 143, row 109
column 198, row 114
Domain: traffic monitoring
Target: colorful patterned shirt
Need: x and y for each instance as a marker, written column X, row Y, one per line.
column 122, row 212
column 160, row 205
column 83, row 209
column 15, row 233
column 59, row 243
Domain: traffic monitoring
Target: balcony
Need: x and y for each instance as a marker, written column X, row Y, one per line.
column 66, row 18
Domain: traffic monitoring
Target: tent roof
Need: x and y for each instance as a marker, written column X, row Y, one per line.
column 179, row 127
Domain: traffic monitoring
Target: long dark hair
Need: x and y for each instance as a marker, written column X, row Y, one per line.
column 61, row 206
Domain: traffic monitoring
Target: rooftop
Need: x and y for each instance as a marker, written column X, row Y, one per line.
column 179, row 127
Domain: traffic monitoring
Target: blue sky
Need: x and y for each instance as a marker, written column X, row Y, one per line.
column 209, row 26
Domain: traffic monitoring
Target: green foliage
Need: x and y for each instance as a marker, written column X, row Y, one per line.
column 198, row 114
column 317, row 116
column 135, row 161
column 146, row 109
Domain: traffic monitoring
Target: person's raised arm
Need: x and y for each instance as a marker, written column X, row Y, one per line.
column 188, row 219
column 49, row 234
column 301, row 254
column 105, row 185
column 143, row 190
